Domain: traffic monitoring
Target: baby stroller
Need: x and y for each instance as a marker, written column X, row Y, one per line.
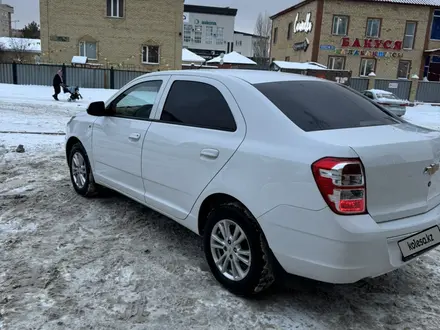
column 73, row 91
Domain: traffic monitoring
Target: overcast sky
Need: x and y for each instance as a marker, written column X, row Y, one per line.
column 27, row 11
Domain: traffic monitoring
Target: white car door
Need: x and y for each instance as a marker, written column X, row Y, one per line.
column 198, row 128
column 117, row 138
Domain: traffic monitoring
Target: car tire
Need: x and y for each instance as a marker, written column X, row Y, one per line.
column 256, row 276
column 80, row 172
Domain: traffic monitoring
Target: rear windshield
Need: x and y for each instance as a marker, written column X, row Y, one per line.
column 323, row 105
column 386, row 96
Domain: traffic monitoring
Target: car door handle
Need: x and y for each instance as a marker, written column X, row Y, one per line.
column 209, row 153
column 134, row 136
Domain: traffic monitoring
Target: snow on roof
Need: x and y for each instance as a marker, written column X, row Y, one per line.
column 300, row 66
column 233, row 58
column 189, row 56
column 21, row 44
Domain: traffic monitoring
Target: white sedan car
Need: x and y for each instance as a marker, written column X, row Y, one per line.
column 388, row 100
column 276, row 171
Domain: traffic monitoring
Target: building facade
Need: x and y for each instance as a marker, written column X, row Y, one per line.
column 119, row 33
column 208, row 31
column 6, row 12
column 245, row 44
column 387, row 37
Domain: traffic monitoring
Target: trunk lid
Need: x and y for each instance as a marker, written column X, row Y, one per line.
column 395, row 158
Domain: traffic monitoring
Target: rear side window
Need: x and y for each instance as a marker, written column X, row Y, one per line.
column 197, row 104
column 321, row 105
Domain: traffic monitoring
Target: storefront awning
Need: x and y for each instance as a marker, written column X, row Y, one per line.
column 430, row 51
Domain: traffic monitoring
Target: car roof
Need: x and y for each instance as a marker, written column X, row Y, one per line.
column 251, row 76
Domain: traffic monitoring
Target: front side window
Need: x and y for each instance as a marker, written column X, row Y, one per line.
column 373, row 28
column 336, row 62
column 340, row 25
column 323, row 105
column 368, row 65
column 410, row 33
column 403, row 69
column 187, row 31
column 115, row 8
column 435, row 27
column 150, row 55
column 137, row 101
column 197, row 104
column 220, row 36
column 88, row 49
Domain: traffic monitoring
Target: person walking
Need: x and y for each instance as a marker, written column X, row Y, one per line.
column 57, row 82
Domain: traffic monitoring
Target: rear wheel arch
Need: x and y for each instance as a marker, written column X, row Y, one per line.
column 216, row 200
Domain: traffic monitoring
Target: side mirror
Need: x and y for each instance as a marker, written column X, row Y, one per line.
column 97, row 109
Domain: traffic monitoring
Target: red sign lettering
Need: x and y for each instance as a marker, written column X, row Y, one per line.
column 372, row 43
column 387, row 44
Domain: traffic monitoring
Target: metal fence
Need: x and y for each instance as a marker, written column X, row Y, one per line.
column 400, row 87
column 359, row 84
column 42, row 74
column 428, row 91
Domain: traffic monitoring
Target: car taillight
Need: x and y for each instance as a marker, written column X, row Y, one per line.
column 403, row 105
column 341, row 182
column 381, row 103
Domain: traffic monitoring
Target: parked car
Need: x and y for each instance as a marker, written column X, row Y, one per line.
column 276, row 171
column 388, row 100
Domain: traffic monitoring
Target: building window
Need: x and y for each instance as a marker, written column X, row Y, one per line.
column 220, row 36
column 187, row 31
column 287, row 59
column 238, row 43
column 336, row 62
column 115, row 8
column 209, row 35
column 88, row 49
column 435, row 28
column 373, row 27
column 403, row 69
column 410, row 33
column 368, row 65
column 340, row 25
column 150, row 54
column 198, row 34
column 289, row 31
column 275, row 35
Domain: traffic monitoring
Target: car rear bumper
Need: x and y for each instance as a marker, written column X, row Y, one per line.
column 336, row 249
column 397, row 111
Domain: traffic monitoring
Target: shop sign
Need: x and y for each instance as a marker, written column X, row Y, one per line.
column 327, row 47
column 205, row 22
column 303, row 45
column 367, row 53
column 372, row 43
column 303, row 26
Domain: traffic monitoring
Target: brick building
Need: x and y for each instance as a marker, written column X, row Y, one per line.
column 393, row 38
column 6, row 12
column 125, row 33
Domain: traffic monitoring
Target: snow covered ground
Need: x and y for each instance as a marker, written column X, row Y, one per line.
column 110, row 263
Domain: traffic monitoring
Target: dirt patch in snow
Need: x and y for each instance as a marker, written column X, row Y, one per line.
column 109, row 263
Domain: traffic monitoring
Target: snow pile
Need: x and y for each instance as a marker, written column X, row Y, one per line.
column 233, row 58
column 189, row 56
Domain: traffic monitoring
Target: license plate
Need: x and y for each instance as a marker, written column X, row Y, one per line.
column 419, row 243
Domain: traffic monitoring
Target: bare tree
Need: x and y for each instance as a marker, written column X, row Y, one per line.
column 19, row 48
column 263, row 29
